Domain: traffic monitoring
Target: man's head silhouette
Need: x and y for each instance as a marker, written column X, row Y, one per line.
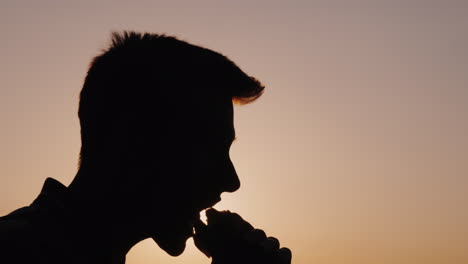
column 156, row 117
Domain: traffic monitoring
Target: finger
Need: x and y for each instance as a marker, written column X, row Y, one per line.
column 255, row 236
column 270, row 244
column 226, row 220
column 199, row 226
column 203, row 241
column 203, row 247
column 285, row 255
column 239, row 224
column 212, row 214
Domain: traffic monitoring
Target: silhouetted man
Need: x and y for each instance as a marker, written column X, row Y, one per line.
column 156, row 117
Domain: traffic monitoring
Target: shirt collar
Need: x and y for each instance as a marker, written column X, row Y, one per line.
column 53, row 196
column 52, row 204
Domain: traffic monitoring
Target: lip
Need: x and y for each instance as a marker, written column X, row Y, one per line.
column 202, row 206
column 208, row 204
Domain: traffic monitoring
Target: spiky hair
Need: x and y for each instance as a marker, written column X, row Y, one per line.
column 145, row 69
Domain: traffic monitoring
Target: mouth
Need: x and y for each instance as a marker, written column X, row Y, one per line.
column 208, row 204
column 195, row 219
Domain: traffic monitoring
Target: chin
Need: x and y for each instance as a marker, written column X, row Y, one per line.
column 173, row 240
column 175, row 250
column 172, row 246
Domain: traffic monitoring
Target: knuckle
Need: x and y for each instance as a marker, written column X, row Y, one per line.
column 285, row 255
column 274, row 241
column 269, row 245
column 260, row 233
column 255, row 236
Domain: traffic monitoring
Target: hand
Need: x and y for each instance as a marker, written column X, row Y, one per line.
column 229, row 239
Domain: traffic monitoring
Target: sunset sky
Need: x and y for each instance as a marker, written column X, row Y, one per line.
column 357, row 153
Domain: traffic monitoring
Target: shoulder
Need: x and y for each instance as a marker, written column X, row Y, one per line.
column 18, row 238
column 16, row 225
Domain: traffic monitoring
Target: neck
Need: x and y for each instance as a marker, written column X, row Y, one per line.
column 97, row 223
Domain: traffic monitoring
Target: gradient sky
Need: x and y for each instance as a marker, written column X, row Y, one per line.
column 357, row 153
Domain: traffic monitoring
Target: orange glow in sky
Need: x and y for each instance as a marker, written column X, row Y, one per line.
column 357, row 153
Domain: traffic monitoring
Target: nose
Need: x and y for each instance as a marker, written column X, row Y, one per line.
column 231, row 180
